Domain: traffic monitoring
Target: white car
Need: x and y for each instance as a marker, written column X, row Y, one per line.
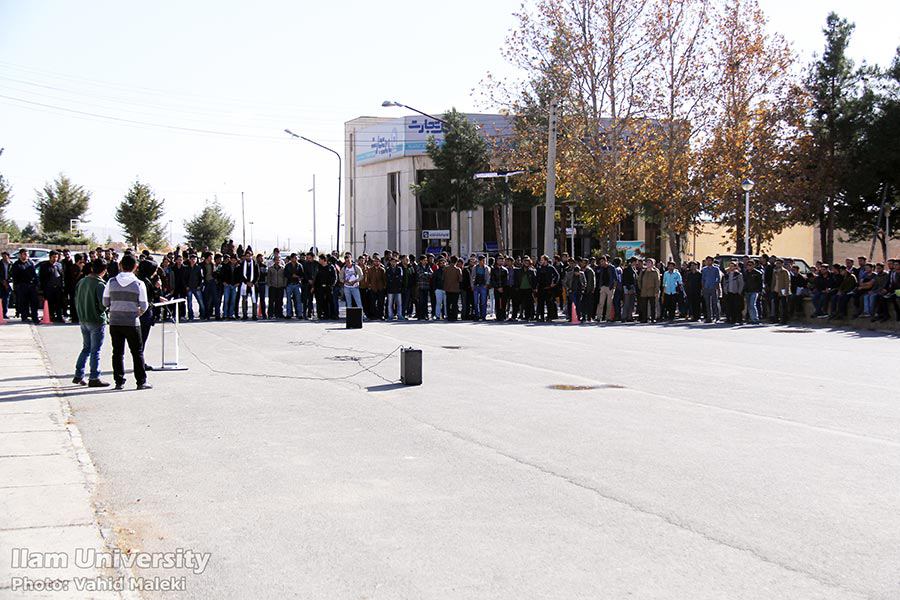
column 38, row 255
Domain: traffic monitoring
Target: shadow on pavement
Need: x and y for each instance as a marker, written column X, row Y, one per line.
column 385, row 387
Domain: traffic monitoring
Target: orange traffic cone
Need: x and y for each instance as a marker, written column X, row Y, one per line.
column 574, row 312
column 2, row 320
column 45, row 320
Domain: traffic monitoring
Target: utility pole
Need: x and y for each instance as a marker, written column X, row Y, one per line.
column 243, row 223
column 572, row 229
column 469, row 214
column 313, row 190
column 459, row 251
column 550, row 197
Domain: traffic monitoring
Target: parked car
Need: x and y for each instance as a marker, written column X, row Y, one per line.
column 38, row 255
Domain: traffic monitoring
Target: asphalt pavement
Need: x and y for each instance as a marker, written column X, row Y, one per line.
column 691, row 462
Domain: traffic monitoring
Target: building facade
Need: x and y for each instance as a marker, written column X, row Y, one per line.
column 386, row 156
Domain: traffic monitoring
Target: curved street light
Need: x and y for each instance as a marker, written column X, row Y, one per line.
column 306, row 139
column 388, row 103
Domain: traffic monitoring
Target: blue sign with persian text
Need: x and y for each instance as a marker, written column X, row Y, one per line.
column 408, row 136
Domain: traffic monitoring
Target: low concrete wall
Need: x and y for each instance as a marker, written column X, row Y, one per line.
column 861, row 324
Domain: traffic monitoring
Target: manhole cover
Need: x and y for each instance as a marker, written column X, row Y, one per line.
column 792, row 331
column 344, row 358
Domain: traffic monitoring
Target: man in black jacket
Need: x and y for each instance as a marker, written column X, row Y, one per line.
column 394, row 276
column 248, row 275
column 179, row 278
column 310, row 269
column 526, row 286
column 324, row 282
column 293, row 276
column 693, row 289
column 5, row 267
column 798, row 284
column 209, row 270
column 71, row 275
column 629, row 289
column 24, row 280
column 195, row 288
column 231, row 280
column 753, row 287
column 51, row 281
column 547, row 280
column 499, row 277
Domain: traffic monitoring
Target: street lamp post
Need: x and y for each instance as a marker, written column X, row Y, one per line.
column 747, row 186
column 171, row 234
column 313, row 190
column 887, row 225
column 314, row 143
column 251, row 234
column 454, row 182
column 243, row 222
column 388, row 103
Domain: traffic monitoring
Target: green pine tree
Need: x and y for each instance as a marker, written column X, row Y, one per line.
column 5, row 198
column 7, row 225
column 60, row 202
column 140, row 215
column 208, row 227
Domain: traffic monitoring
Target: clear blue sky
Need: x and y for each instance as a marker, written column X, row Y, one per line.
column 253, row 69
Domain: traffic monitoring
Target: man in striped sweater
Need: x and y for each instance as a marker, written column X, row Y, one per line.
column 126, row 298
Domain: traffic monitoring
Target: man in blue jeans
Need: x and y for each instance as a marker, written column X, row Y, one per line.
column 710, row 280
column 293, row 277
column 229, row 275
column 481, row 277
column 92, row 318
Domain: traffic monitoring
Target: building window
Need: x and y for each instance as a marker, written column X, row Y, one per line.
column 652, row 241
column 521, row 230
column 393, row 197
column 627, row 229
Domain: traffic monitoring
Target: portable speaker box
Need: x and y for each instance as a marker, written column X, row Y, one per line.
column 354, row 318
column 410, row 366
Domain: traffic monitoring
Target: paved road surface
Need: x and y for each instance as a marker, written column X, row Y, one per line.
column 707, row 462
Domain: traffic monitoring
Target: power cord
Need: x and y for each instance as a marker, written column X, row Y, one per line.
column 364, row 368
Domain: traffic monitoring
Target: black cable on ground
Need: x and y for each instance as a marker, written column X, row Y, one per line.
column 364, row 368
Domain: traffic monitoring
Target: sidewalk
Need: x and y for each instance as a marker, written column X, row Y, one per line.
column 46, row 476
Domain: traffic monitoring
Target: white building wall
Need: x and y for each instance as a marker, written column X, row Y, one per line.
column 366, row 198
column 367, row 225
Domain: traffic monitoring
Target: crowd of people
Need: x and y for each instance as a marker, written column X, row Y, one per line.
column 99, row 289
column 236, row 283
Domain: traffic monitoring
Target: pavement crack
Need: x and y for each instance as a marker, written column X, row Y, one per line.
column 606, row 495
